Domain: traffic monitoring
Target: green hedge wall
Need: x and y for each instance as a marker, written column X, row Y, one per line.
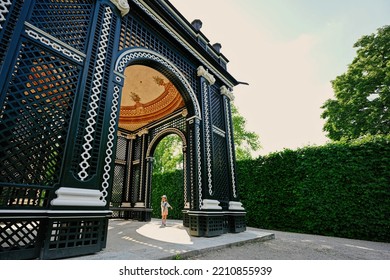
column 170, row 184
column 340, row 189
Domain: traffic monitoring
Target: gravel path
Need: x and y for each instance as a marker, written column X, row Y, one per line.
column 295, row 246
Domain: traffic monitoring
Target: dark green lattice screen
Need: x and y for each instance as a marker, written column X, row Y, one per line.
column 34, row 121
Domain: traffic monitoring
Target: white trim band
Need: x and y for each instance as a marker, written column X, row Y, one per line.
column 78, row 197
column 235, row 205
column 210, row 204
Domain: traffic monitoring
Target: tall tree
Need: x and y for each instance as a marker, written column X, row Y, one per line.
column 362, row 93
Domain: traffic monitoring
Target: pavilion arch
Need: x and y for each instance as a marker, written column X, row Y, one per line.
column 146, row 57
column 60, row 102
column 153, row 144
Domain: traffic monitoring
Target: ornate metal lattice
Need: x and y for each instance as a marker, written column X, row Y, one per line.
column 135, row 34
column 9, row 16
column 67, row 20
column 96, row 88
column 35, row 116
column 221, row 181
column 137, row 148
column 74, row 237
column 117, row 188
column 121, row 148
column 179, row 123
column 18, row 235
column 217, row 108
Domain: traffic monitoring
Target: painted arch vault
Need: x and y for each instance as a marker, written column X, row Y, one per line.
column 82, row 107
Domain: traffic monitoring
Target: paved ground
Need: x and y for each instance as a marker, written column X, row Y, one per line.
column 132, row 240
column 295, row 246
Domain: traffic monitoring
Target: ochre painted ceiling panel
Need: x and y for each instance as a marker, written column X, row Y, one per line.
column 147, row 96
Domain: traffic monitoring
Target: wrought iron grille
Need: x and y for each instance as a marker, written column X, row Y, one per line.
column 135, row 34
column 35, row 116
column 217, row 108
column 221, row 180
column 8, row 26
column 67, row 20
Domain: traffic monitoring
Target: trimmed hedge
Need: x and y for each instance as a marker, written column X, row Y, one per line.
column 170, row 184
column 340, row 189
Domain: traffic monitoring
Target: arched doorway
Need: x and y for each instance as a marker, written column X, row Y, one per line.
column 168, row 175
column 155, row 101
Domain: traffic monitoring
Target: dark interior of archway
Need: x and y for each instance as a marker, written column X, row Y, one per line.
column 147, row 96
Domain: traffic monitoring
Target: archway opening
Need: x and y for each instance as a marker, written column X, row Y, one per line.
column 167, row 178
column 151, row 108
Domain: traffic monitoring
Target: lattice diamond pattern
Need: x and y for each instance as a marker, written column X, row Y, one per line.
column 221, row 181
column 67, row 20
column 135, row 34
column 117, row 188
column 217, row 108
column 14, row 235
column 35, row 117
column 121, row 148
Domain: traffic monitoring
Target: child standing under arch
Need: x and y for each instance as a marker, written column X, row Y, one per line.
column 164, row 210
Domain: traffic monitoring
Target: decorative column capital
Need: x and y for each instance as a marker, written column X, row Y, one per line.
column 202, row 72
column 143, row 132
column 227, row 92
column 122, row 5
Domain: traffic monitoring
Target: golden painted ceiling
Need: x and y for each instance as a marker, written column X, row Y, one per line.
column 147, row 96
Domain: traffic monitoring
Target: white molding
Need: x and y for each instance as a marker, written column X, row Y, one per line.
column 4, row 11
column 49, row 40
column 122, row 5
column 208, row 136
column 210, row 204
column 202, row 72
column 95, row 96
column 77, row 197
column 139, row 205
column 219, row 131
column 230, row 144
column 235, row 205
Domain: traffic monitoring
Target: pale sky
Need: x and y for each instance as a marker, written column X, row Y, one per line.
column 288, row 52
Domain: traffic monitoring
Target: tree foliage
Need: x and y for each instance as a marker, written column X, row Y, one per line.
column 246, row 142
column 168, row 155
column 362, row 93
